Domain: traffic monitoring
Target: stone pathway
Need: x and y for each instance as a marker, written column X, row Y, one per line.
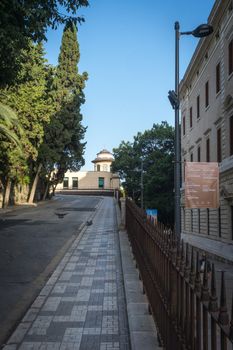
column 82, row 306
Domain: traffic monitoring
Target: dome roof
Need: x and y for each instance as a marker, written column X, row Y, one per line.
column 103, row 155
column 104, row 151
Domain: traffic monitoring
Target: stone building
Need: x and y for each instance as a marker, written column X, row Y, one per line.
column 101, row 180
column 206, row 93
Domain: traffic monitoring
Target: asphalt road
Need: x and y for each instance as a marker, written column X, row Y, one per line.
column 32, row 242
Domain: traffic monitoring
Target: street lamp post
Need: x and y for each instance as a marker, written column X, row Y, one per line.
column 140, row 170
column 173, row 96
column 142, row 184
column 177, row 135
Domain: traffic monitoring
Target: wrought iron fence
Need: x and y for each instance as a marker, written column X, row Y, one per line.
column 184, row 304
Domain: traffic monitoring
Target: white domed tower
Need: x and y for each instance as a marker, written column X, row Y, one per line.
column 103, row 161
column 100, row 181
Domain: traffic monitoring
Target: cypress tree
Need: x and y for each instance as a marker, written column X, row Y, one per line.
column 63, row 145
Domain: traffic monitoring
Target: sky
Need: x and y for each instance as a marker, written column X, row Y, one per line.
column 127, row 47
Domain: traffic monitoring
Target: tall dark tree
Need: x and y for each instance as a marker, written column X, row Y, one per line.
column 156, row 148
column 24, row 21
column 28, row 97
column 63, row 145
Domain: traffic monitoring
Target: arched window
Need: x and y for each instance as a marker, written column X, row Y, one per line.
column 98, row 167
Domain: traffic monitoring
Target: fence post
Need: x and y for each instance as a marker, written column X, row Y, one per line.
column 172, row 299
column 123, row 213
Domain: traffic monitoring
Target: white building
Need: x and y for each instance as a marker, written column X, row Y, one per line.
column 206, row 93
column 101, row 180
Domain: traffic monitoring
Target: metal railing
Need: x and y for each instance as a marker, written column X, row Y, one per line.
column 184, row 304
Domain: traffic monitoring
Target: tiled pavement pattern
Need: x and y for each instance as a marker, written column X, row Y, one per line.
column 82, row 306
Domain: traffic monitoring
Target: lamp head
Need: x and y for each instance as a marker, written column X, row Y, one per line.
column 202, row 30
column 173, row 98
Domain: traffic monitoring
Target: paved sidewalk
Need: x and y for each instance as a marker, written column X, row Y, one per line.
column 215, row 249
column 82, row 306
column 143, row 333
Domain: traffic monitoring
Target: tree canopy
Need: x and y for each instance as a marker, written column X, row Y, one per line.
column 63, row 145
column 24, row 21
column 155, row 147
column 42, row 107
column 29, row 99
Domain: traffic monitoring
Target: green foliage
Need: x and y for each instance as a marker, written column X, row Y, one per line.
column 63, row 145
column 40, row 105
column 29, row 99
column 156, row 148
column 23, row 21
column 9, row 125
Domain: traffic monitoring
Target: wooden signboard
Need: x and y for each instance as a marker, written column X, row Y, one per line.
column 201, row 185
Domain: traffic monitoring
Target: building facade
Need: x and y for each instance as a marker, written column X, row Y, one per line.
column 101, row 179
column 206, row 95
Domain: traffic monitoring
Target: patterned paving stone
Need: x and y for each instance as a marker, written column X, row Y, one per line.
column 110, row 346
column 69, row 346
column 59, row 288
column 82, row 307
column 92, row 331
column 65, row 276
column 86, row 281
column 110, row 325
column 90, row 342
column 73, row 335
column 40, row 325
column 51, row 304
column 95, row 307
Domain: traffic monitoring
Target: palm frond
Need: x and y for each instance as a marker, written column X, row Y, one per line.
column 8, row 123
